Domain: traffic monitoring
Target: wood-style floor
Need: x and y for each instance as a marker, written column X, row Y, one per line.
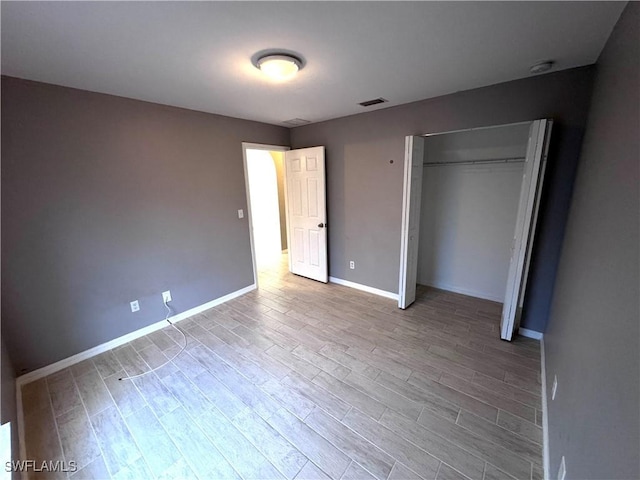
column 302, row 380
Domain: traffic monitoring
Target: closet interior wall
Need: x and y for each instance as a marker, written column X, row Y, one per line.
column 470, row 192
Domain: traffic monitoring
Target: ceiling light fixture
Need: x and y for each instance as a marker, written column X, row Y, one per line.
column 542, row 67
column 279, row 66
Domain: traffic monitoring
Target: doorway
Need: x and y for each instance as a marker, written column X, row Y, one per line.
column 265, row 183
column 286, row 200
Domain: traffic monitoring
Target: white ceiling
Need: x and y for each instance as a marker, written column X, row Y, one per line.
column 197, row 55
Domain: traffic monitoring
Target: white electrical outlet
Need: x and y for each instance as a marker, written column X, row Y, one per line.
column 554, row 387
column 135, row 306
column 240, row 213
column 166, row 296
column 562, row 471
column 352, row 265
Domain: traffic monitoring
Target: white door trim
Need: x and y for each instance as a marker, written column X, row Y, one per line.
column 270, row 148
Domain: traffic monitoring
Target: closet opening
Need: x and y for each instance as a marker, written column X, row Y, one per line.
column 469, row 213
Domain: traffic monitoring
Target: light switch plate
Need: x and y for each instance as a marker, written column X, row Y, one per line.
column 240, row 213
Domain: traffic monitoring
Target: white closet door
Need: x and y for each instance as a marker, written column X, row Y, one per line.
column 532, row 180
column 412, row 199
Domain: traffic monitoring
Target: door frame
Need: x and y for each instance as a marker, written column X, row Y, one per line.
column 269, row 148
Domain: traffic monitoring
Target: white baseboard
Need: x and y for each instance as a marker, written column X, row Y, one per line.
column 364, row 288
column 525, row 332
column 463, row 291
column 79, row 357
column 545, row 413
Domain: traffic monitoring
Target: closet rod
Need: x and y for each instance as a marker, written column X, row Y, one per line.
column 476, row 162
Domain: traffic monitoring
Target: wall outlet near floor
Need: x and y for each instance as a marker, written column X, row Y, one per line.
column 352, row 265
column 135, row 306
column 562, row 470
column 166, row 296
column 554, row 387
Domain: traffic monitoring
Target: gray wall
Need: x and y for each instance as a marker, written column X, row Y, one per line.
column 106, row 200
column 592, row 340
column 364, row 190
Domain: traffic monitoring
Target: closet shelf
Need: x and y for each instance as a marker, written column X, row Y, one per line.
column 476, row 162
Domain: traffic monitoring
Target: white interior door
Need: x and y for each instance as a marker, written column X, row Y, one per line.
column 306, row 212
column 411, row 201
column 532, row 179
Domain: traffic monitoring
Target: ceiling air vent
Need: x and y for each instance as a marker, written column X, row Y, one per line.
column 375, row 101
column 295, row 122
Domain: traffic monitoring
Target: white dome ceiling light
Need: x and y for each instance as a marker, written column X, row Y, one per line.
column 279, row 66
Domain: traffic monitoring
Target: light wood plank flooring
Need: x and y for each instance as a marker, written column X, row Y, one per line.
column 301, row 380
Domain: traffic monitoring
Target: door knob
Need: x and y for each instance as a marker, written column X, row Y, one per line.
column 320, row 225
